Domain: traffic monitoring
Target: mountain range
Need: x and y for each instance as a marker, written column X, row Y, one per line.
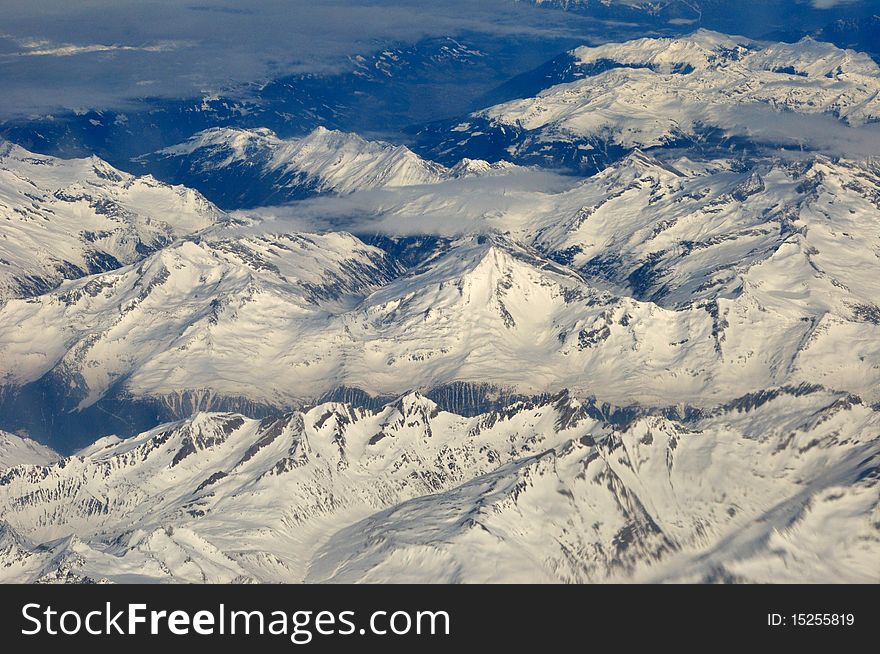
column 241, row 168
column 620, row 325
column 65, row 219
column 547, row 492
column 705, row 90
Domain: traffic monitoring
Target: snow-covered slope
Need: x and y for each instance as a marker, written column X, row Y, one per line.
column 702, row 88
column 780, row 486
column 326, row 160
column 682, row 231
column 241, row 167
column 15, row 450
column 491, row 309
column 680, row 278
column 64, row 219
column 193, row 320
column 205, row 321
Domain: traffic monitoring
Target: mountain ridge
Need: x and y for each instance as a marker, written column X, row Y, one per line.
column 68, row 218
column 239, row 168
column 337, row 493
column 703, row 89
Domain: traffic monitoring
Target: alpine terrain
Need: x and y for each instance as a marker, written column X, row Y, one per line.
column 618, row 323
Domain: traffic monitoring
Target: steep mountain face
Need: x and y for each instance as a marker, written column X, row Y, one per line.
column 65, row 219
column 702, row 89
column 240, row 168
column 16, row 451
column 781, row 486
column 181, row 322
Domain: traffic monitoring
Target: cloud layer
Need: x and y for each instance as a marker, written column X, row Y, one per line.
column 96, row 53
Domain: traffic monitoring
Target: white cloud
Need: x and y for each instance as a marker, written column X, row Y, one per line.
column 451, row 208
column 828, row 4
column 45, row 48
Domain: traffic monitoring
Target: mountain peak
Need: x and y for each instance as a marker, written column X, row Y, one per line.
column 74, row 217
column 642, row 163
column 414, row 404
column 701, row 49
column 224, row 145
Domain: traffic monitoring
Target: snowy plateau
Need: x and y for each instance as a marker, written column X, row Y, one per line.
column 625, row 328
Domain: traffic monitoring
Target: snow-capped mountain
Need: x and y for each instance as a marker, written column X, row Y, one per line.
column 779, row 486
column 664, row 328
column 680, row 232
column 65, row 219
column 654, row 282
column 682, row 276
column 15, row 451
column 668, row 370
column 380, row 90
column 703, row 89
column 675, row 228
column 184, row 320
column 651, row 501
column 241, row 168
column 254, row 324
